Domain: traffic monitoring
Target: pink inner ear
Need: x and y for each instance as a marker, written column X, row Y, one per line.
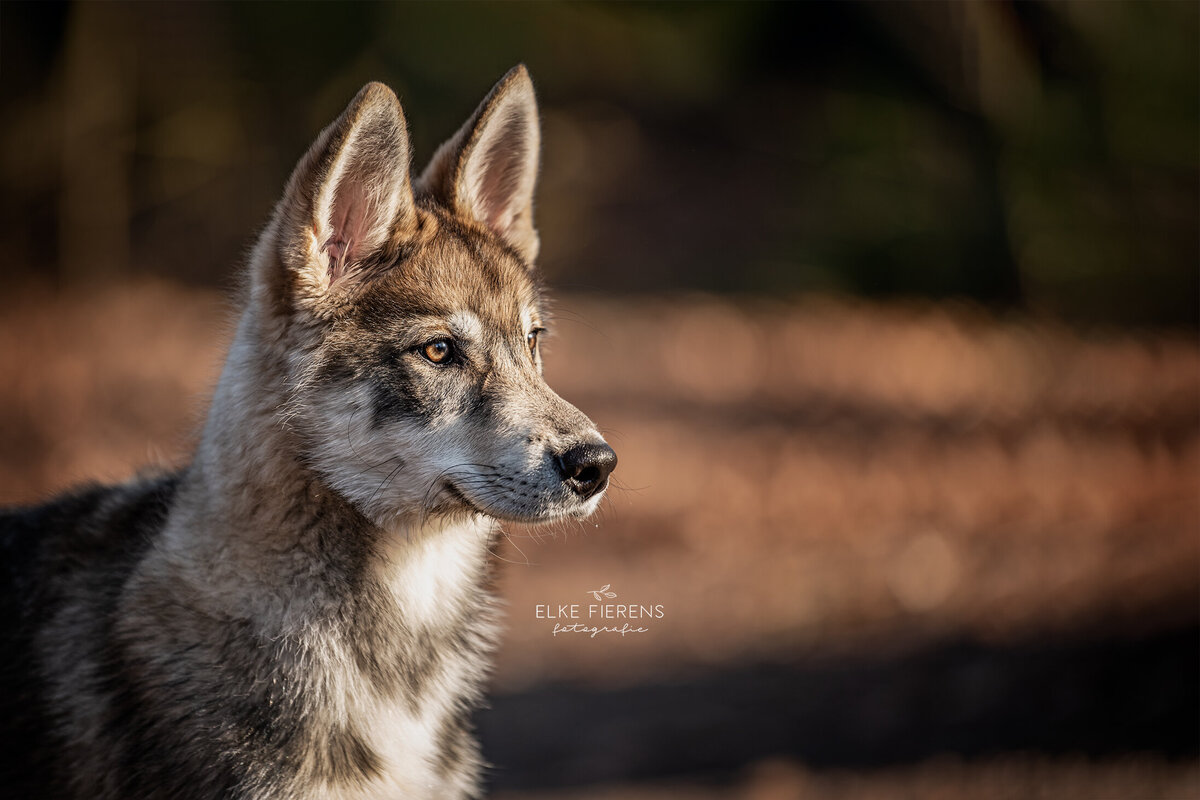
column 349, row 220
column 337, row 258
column 503, row 166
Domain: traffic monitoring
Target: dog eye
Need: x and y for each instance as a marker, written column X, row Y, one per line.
column 439, row 351
column 531, row 340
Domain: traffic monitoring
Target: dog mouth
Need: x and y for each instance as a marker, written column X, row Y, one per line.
column 457, row 496
column 512, row 512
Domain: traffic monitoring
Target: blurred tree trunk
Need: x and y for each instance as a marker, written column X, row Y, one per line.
column 970, row 61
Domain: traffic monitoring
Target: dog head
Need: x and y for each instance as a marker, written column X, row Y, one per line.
column 407, row 317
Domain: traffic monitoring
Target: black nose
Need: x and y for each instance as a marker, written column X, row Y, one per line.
column 586, row 467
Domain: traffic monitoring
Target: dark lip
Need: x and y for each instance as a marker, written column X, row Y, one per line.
column 457, row 494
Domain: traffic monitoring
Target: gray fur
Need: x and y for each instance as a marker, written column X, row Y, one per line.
column 303, row 611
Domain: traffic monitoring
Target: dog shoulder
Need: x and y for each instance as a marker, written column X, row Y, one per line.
column 75, row 550
column 93, row 528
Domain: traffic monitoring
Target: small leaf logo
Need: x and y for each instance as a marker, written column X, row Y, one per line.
column 603, row 592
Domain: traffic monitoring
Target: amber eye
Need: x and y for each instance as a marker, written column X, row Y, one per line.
column 439, row 351
column 531, row 340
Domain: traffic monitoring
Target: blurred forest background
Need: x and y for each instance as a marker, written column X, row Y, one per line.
column 1026, row 155
column 889, row 308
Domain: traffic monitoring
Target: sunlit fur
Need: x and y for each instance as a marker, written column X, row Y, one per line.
column 303, row 611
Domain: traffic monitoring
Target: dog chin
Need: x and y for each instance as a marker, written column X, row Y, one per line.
column 577, row 510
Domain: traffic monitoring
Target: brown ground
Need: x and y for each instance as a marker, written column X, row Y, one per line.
column 900, row 552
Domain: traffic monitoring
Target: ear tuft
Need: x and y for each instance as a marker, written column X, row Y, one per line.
column 349, row 201
column 366, row 195
column 487, row 171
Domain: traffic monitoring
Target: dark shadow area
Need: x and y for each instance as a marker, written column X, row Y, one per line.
column 1090, row 696
column 1035, row 156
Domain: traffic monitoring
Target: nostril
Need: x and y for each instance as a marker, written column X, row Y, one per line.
column 568, row 468
column 585, row 467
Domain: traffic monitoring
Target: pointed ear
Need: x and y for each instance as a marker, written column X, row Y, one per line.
column 349, row 205
column 487, row 171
